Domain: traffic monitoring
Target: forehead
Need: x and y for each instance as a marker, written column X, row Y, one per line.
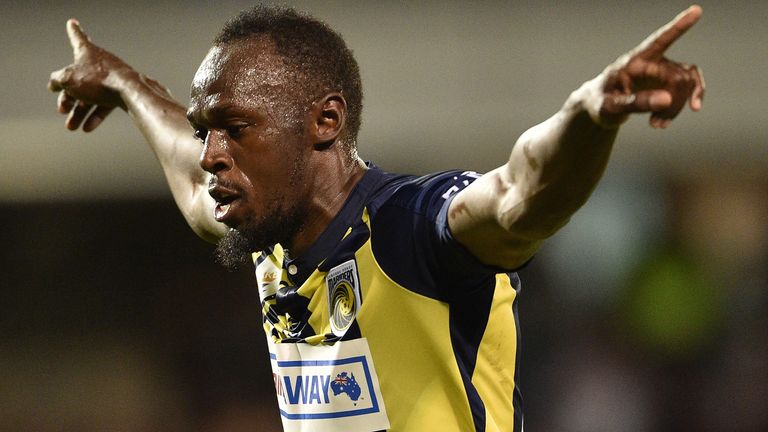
column 241, row 72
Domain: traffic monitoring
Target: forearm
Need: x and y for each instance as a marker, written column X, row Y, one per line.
column 503, row 217
column 554, row 167
column 162, row 121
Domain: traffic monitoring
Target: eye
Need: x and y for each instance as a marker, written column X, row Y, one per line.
column 201, row 134
column 235, row 130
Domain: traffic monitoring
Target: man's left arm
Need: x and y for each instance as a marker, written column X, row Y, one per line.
column 503, row 217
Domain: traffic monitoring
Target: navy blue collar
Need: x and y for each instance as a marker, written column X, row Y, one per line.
column 334, row 232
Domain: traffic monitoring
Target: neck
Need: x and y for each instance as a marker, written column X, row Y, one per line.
column 333, row 182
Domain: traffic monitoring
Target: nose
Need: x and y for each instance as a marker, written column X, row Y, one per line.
column 215, row 156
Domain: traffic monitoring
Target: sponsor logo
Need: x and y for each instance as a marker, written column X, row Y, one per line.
column 328, row 388
column 460, row 182
column 346, row 383
column 343, row 296
column 269, row 277
column 325, row 389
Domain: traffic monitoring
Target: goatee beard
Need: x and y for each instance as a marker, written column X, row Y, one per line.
column 233, row 251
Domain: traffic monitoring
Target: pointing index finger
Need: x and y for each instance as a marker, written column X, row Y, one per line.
column 77, row 38
column 657, row 43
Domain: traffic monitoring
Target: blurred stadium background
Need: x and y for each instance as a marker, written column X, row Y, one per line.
column 646, row 313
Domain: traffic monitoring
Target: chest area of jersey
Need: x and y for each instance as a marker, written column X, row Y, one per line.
column 324, row 373
column 324, row 308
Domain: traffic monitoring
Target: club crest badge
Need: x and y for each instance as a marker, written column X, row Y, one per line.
column 343, row 296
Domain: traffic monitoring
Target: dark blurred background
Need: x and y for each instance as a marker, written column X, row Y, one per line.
column 646, row 313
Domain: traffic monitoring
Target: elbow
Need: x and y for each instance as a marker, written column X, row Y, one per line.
column 198, row 212
column 206, row 234
column 206, row 227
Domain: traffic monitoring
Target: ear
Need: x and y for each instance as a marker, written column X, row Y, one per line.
column 329, row 114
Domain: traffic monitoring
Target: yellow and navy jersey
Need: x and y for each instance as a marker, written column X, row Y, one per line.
column 387, row 323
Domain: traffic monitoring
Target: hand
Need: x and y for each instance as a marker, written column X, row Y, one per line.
column 643, row 80
column 90, row 81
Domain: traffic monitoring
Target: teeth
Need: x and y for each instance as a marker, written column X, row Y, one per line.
column 221, row 211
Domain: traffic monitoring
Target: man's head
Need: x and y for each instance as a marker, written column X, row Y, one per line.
column 275, row 99
column 315, row 58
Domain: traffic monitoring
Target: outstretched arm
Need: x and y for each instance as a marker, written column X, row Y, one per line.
column 503, row 217
column 97, row 82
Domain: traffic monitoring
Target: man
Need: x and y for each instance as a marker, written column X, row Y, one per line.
column 389, row 301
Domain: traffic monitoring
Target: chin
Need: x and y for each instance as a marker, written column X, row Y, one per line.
column 233, row 250
column 278, row 224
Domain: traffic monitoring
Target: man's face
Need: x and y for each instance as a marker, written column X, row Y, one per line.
column 254, row 142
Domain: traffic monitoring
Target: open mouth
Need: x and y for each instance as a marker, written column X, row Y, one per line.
column 223, row 207
column 225, row 202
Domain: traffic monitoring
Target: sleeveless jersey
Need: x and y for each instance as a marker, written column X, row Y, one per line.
column 387, row 323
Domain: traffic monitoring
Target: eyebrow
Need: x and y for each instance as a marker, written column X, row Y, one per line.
column 212, row 112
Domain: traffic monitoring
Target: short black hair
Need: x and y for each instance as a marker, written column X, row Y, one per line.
column 313, row 48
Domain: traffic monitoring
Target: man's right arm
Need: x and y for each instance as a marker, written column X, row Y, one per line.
column 97, row 82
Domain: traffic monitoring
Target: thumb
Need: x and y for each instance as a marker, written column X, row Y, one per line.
column 77, row 37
